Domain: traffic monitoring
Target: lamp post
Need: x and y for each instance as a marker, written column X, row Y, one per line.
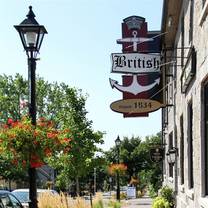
column 31, row 35
column 95, row 188
column 118, row 143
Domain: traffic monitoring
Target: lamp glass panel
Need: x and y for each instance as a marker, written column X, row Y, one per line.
column 168, row 158
column 39, row 41
column 117, row 142
column 31, row 38
column 172, row 157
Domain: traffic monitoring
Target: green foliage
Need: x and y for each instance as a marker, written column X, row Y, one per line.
column 11, row 172
column 165, row 198
column 167, row 193
column 152, row 191
column 160, row 202
column 65, row 106
column 134, row 152
column 98, row 204
column 114, row 204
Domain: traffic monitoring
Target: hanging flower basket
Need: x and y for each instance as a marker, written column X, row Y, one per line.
column 27, row 145
column 113, row 169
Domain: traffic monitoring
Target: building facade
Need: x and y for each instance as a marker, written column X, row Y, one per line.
column 185, row 117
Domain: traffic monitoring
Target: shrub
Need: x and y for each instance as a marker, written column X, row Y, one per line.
column 167, row 193
column 152, row 191
column 98, row 201
column 165, row 198
column 160, row 202
column 114, row 204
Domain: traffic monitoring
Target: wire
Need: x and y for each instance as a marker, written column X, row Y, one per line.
column 146, row 41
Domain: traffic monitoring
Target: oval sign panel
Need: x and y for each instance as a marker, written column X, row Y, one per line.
column 135, row 106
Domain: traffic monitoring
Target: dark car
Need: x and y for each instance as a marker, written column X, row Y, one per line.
column 7, row 200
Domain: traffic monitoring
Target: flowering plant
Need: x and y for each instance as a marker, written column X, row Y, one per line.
column 117, row 168
column 27, row 145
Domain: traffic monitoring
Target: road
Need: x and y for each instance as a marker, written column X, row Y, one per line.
column 144, row 202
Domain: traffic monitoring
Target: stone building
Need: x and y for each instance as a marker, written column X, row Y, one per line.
column 185, row 117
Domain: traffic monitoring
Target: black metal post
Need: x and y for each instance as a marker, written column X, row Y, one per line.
column 31, row 35
column 32, row 113
column 118, row 178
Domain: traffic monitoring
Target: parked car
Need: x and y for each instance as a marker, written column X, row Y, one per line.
column 23, row 195
column 7, row 199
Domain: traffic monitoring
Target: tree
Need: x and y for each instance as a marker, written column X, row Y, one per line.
column 135, row 153
column 63, row 105
column 128, row 155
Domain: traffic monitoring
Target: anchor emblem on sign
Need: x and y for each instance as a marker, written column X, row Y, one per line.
column 134, row 88
column 135, row 40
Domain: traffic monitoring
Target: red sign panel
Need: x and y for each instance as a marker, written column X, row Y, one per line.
column 137, row 39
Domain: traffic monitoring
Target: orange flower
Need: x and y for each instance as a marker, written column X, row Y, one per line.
column 35, row 142
column 24, row 163
column 67, row 149
column 12, row 136
column 50, row 124
column 48, row 152
column 50, row 135
column 67, row 139
column 15, row 123
column 117, row 168
column 36, row 162
column 66, row 130
column 10, row 121
column 5, row 126
column 15, row 162
column 36, row 133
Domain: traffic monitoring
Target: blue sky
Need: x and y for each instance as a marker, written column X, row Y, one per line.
column 81, row 36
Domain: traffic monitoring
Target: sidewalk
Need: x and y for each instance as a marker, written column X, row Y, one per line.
column 144, row 202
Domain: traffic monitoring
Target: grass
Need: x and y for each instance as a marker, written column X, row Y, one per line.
column 47, row 200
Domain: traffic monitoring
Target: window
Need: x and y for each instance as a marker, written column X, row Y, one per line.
column 206, row 136
column 190, row 146
column 170, row 147
column 191, row 20
column 15, row 202
column 182, row 40
column 175, row 69
column 181, row 150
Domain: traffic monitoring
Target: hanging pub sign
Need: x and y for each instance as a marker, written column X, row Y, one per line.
column 156, row 154
column 141, row 85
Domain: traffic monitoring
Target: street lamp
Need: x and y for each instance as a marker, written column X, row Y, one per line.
column 31, row 35
column 118, row 143
column 171, row 155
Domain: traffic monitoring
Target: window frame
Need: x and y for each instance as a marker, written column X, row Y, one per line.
column 205, row 150
column 182, row 150
column 170, row 146
column 190, row 145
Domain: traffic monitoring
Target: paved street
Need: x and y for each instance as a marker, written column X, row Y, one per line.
column 144, row 202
